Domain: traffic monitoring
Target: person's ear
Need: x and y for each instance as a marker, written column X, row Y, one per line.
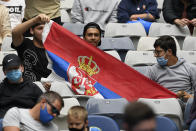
column 169, row 52
column 31, row 31
column 43, row 103
column 86, row 123
column 22, row 68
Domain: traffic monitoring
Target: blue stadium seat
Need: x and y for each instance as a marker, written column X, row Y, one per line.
column 165, row 124
column 193, row 126
column 112, row 108
column 103, row 122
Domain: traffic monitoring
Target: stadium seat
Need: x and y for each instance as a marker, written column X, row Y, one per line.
column 81, row 98
column 189, row 43
column 147, row 43
column 113, row 108
column 166, row 107
column 160, row 4
column 193, row 126
column 119, row 30
column 103, row 122
column 165, row 124
column 161, row 19
column 6, row 44
column 114, row 53
column 65, row 17
column 66, row 4
column 160, row 29
column 194, row 32
column 142, row 69
column 189, row 56
column 140, row 58
column 2, row 76
column 122, row 43
column 61, row 120
column 75, row 28
column 4, row 53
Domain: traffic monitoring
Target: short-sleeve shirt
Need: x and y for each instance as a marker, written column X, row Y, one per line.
column 22, row 119
column 34, row 60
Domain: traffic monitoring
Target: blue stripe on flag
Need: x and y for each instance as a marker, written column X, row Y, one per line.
column 59, row 65
column 106, row 93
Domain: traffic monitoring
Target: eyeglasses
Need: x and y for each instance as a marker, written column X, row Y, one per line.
column 157, row 52
column 54, row 110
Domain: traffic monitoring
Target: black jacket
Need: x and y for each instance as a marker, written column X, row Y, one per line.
column 23, row 95
column 173, row 9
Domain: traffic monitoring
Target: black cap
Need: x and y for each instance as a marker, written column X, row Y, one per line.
column 11, row 60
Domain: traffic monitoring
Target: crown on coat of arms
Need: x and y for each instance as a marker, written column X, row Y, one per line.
column 88, row 65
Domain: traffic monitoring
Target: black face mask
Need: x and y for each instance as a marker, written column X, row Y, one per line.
column 74, row 129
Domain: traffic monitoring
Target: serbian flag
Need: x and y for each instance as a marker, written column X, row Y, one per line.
column 92, row 72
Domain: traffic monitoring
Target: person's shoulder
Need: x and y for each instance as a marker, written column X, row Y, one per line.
column 53, row 127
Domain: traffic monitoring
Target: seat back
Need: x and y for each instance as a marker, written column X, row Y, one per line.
column 147, row 43
column 142, row 69
column 113, row 53
column 75, row 28
column 2, row 76
column 138, row 58
column 160, row 29
column 95, row 106
column 103, row 122
column 165, row 124
column 6, row 44
column 189, row 44
column 121, row 43
column 167, row 107
column 119, row 30
column 193, row 126
column 189, row 56
column 112, row 108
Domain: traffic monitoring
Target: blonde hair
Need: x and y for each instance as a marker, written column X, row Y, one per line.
column 78, row 112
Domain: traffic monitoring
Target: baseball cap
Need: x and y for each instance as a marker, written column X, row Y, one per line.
column 11, row 60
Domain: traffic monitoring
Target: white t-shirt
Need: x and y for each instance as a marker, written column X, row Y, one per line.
column 16, row 11
column 21, row 118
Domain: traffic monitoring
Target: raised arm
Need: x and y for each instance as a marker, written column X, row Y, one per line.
column 19, row 30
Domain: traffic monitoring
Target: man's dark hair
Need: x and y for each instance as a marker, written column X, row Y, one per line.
column 51, row 96
column 37, row 24
column 166, row 42
column 137, row 112
column 92, row 25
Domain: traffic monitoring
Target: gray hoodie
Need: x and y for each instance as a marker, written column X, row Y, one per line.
column 98, row 11
column 181, row 76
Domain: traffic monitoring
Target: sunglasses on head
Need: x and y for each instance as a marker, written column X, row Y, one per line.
column 54, row 110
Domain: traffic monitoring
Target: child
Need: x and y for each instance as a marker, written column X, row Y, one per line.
column 78, row 120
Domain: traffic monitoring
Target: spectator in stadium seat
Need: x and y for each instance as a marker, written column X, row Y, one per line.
column 180, row 12
column 16, row 10
column 131, row 10
column 49, row 7
column 16, row 90
column 92, row 34
column 78, row 120
column 139, row 117
column 172, row 72
column 99, row 11
column 37, row 118
column 5, row 27
column 32, row 52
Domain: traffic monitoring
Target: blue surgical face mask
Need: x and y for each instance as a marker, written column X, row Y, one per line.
column 45, row 117
column 14, row 75
column 162, row 61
